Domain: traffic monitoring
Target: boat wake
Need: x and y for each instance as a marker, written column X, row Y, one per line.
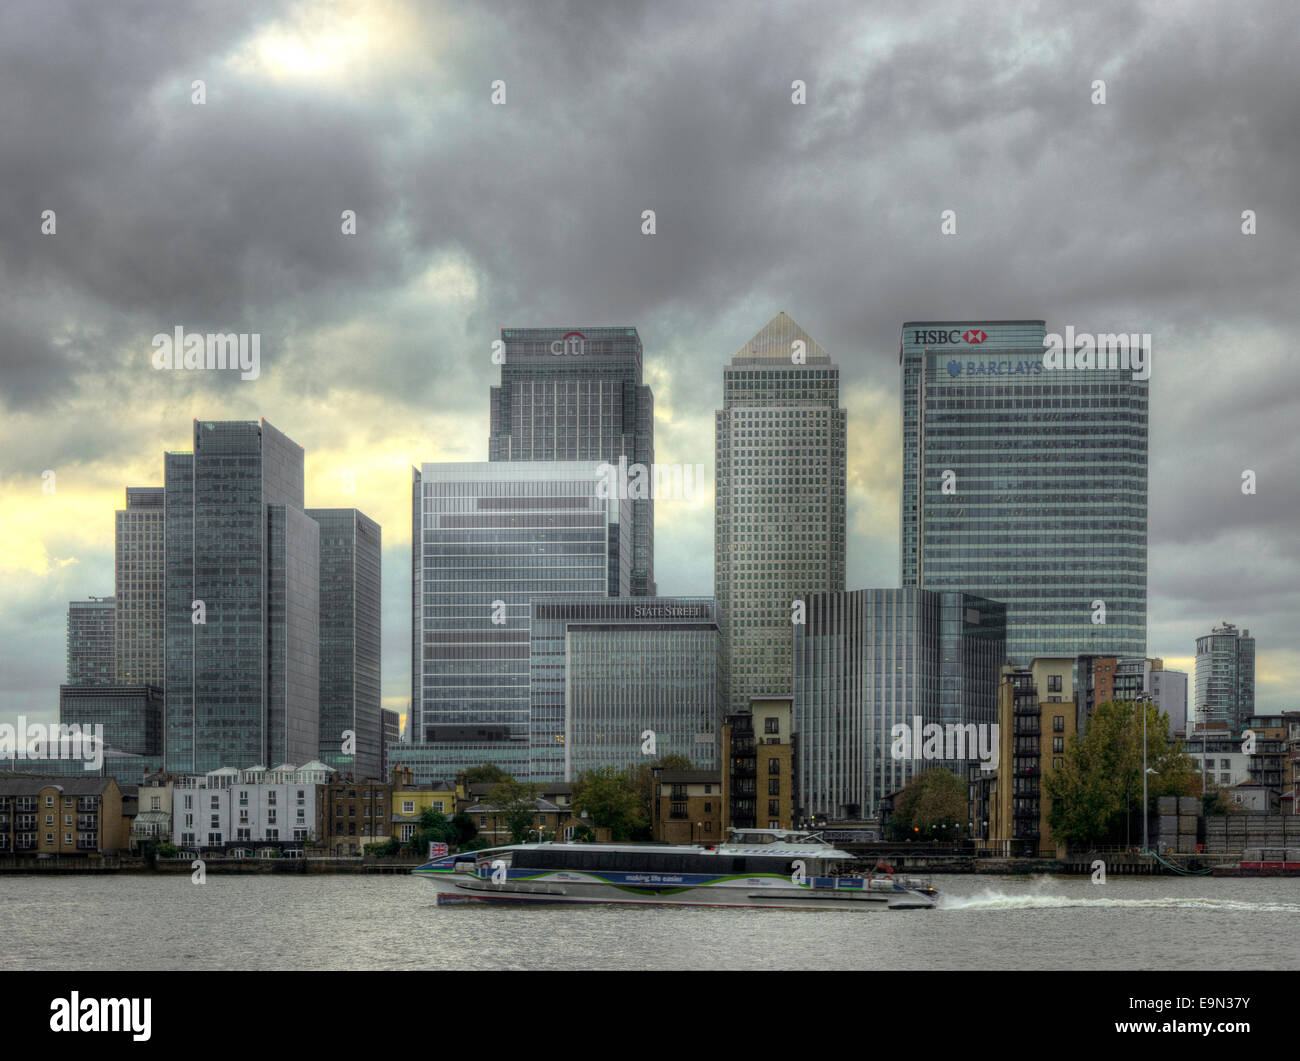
column 1001, row 901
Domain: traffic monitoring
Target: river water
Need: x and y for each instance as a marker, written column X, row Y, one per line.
column 131, row 922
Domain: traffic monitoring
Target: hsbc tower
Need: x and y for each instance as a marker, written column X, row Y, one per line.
column 1026, row 485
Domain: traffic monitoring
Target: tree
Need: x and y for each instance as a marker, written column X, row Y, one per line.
column 611, row 800
column 931, row 804
column 1098, row 788
column 642, row 778
column 433, row 828
column 466, row 830
column 514, row 803
column 487, row 772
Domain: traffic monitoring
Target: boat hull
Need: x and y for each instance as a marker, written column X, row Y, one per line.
column 758, row 893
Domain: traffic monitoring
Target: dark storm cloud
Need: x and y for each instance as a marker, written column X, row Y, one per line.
column 1118, row 217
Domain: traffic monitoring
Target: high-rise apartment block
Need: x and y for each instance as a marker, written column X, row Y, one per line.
column 1225, row 678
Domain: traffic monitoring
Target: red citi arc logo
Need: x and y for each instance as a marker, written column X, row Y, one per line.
column 572, row 343
column 975, row 336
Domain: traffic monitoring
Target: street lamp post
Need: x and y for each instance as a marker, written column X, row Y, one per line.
column 1145, row 844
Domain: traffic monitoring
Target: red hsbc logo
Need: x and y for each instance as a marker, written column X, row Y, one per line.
column 975, row 336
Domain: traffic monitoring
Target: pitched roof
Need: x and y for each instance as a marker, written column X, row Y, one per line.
column 773, row 342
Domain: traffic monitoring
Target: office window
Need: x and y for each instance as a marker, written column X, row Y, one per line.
column 1054, row 683
column 1058, row 744
column 1058, row 724
column 774, row 766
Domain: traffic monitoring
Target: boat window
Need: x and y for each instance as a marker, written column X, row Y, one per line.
column 675, row 863
column 739, row 865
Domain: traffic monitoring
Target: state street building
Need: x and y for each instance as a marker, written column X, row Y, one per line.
column 621, row 682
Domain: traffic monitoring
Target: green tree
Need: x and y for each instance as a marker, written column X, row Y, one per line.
column 1096, row 794
column 642, row 779
column 466, row 830
column 515, row 804
column 432, row 828
column 611, row 800
column 932, row 805
column 487, row 772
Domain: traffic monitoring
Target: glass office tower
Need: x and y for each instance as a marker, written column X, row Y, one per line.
column 1225, row 678
column 606, row 671
column 350, row 595
column 138, row 587
column 576, row 394
column 486, row 539
column 779, row 508
column 870, row 659
column 1026, row 485
column 242, row 686
column 90, row 641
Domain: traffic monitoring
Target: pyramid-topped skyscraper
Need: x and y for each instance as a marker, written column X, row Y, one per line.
column 779, row 516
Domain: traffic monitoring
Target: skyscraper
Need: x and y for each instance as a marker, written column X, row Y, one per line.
column 576, row 395
column 1225, row 678
column 605, row 673
column 90, row 641
column 488, row 538
column 1025, row 484
column 350, row 593
column 139, row 585
column 779, row 515
column 870, row 659
column 242, row 599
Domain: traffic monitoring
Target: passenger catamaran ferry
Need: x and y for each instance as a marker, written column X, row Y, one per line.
column 769, row 868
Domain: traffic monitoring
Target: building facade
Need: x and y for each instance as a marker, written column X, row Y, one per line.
column 688, row 807
column 1225, row 677
column 487, row 539
column 1037, row 718
column 231, row 810
column 1026, row 485
column 61, row 816
column 760, row 766
column 352, row 815
column 91, row 659
column 139, row 585
column 242, row 600
column 577, row 395
column 350, row 610
column 867, row 661
column 132, row 715
column 779, row 508
column 616, row 682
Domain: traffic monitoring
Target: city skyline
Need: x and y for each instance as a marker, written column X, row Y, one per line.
column 376, row 349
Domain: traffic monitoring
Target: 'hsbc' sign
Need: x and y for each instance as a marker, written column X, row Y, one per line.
column 974, row 336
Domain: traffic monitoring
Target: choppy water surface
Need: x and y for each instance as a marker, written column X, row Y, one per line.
column 391, row 922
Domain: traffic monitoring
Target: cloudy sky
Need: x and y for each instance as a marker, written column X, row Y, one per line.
column 376, row 347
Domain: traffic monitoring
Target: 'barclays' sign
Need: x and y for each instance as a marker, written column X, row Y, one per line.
column 995, row 368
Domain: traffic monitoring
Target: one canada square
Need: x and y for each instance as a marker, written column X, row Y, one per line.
column 779, row 516
column 1027, row 484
